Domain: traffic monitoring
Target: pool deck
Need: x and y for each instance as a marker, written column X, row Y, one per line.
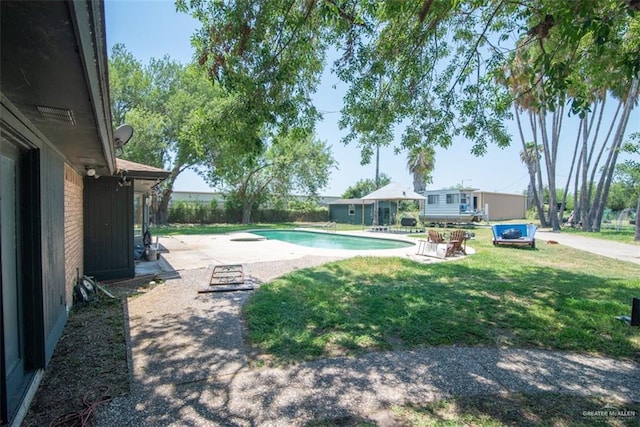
column 186, row 252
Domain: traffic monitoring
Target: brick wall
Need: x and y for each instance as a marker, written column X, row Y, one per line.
column 73, row 229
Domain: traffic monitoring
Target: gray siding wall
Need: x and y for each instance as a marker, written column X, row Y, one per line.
column 340, row 213
column 41, row 239
column 108, row 225
column 53, row 256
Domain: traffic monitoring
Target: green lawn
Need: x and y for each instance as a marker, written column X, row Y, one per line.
column 175, row 229
column 551, row 297
column 539, row 409
column 624, row 235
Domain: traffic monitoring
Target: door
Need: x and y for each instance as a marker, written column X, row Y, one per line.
column 12, row 311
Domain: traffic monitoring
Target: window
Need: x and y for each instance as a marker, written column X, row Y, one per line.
column 453, row 199
column 352, row 209
column 433, row 199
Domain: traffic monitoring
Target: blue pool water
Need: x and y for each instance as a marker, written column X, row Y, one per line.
column 331, row 241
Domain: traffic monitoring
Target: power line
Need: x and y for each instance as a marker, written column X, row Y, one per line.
column 513, row 183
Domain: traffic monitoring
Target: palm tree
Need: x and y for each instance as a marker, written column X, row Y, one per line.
column 530, row 156
column 421, row 162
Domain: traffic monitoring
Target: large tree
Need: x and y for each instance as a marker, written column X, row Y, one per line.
column 269, row 54
column 297, row 163
column 365, row 186
column 167, row 104
column 421, row 162
column 597, row 142
column 628, row 174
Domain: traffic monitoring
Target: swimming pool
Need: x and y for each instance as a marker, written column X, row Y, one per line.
column 331, row 241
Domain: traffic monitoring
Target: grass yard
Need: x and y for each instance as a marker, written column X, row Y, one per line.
column 191, row 229
column 548, row 409
column 623, row 235
column 553, row 297
column 175, row 229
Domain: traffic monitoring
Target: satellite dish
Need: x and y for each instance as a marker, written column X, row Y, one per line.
column 122, row 135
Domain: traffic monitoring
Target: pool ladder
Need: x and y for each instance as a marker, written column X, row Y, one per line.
column 331, row 227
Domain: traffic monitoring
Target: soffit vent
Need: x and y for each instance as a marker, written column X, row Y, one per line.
column 57, row 114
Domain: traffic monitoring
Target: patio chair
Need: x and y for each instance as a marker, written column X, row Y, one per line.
column 457, row 243
column 435, row 236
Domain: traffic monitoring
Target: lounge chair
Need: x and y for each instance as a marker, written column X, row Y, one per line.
column 435, row 237
column 457, row 243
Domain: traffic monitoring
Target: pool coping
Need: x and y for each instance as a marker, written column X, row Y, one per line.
column 185, row 252
column 358, row 234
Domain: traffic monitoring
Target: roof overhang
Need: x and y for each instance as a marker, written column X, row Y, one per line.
column 55, row 76
column 393, row 191
column 346, row 202
column 144, row 177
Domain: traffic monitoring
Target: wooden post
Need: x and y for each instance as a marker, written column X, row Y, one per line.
column 635, row 312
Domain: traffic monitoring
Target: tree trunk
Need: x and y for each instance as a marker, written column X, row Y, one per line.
column 162, row 215
column 636, row 237
column 533, row 167
column 606, row 179
column 550, row 162
column 246, row 213
column 247, row 203
column 543, row 219
column 584, row 192
column 574, row 159
column 576, row 193
column 163, row 207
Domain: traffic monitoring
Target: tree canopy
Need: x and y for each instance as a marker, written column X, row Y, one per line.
column 296, row 163
column 428, row 66
column 168, row 104
column 436, row 71
column 365, row 186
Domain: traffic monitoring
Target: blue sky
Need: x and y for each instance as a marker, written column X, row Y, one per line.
column 152, row 29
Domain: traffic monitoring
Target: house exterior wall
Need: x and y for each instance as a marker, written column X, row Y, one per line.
column 53, row 255
column 67, row 73
column 40, row 248
column 447, row 202
column 108, row 229
column 73, row 230
column 340, row 213
column 503, row 206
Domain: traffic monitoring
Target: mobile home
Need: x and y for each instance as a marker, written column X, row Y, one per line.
column 468, row 205
column 451, row 206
